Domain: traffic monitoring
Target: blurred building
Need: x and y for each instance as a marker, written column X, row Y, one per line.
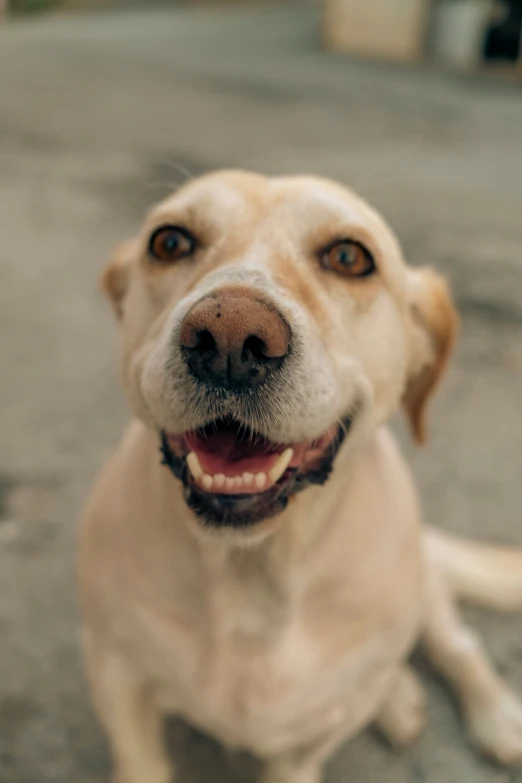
column 458, row 33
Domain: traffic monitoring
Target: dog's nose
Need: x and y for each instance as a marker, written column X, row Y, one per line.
column 234, row 339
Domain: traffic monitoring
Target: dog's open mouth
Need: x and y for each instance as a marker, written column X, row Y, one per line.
column 236, row 477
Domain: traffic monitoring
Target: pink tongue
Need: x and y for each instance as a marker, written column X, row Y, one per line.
column 222, row 452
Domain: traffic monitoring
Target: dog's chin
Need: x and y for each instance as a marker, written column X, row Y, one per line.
column 238, row 511
column 236, row 479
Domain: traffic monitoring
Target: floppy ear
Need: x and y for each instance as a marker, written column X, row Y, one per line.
column 434, row 324
column 115, row 277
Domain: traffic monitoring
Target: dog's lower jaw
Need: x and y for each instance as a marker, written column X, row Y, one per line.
column 235, row 511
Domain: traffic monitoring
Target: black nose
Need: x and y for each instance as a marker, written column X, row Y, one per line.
column 233, row 339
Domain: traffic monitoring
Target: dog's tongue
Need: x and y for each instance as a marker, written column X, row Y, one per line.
column 230, row 444
column 225, row 451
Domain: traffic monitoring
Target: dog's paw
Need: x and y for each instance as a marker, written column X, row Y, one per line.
column 497, row 730
column 404, row 715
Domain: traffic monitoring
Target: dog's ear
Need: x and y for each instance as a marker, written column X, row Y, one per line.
column 434, row 324
column 115, row 276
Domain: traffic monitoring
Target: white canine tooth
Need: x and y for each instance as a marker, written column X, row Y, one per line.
column 207, row 481
column 281, row 465
column 248, row 478
column 219, row 480
column 195, row 465
column 260, row 480
column 238, row 482
column 229, row 483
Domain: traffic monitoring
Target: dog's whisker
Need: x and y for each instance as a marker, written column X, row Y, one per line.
column 166, row 185
column 178, row 168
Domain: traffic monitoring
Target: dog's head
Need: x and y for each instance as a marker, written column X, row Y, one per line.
column 264, row 321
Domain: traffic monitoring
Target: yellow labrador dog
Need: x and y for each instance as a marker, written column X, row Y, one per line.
column 252, row 558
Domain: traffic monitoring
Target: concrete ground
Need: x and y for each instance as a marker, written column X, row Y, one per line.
column 99, row 116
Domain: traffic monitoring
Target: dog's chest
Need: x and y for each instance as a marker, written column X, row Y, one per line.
column 263, row 674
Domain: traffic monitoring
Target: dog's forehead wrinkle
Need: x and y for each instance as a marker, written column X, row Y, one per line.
column 219, row 200
column 322, row 204
column 323, row 197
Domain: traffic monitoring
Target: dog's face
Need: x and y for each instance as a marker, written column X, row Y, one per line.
column 264, row 320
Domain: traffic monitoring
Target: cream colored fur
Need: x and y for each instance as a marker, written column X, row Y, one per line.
column 292, row 638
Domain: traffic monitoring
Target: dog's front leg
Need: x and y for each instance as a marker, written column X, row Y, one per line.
column 306, row 764
column 291, row 771
column 128, row 712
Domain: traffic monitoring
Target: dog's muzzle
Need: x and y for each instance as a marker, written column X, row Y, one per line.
column 236, row 346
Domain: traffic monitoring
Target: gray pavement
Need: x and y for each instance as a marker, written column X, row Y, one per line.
column 99, row 116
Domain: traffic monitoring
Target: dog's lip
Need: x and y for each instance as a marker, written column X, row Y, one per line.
column 225, row 459
column 246, row 509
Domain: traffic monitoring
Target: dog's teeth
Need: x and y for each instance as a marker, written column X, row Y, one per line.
column 281, row 465
column 220, row 481
column 195, row 465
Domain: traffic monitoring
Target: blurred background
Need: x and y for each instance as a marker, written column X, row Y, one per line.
column 104, row 108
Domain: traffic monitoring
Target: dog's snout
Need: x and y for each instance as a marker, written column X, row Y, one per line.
column 234, row 339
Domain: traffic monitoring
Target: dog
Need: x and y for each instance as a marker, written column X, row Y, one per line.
column 252, row 557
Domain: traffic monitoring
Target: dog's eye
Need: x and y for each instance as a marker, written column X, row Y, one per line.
column 349, row 259
column 170, row 243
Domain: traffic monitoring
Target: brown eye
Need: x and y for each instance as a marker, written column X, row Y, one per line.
column 170, row 243
column 349, row 259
